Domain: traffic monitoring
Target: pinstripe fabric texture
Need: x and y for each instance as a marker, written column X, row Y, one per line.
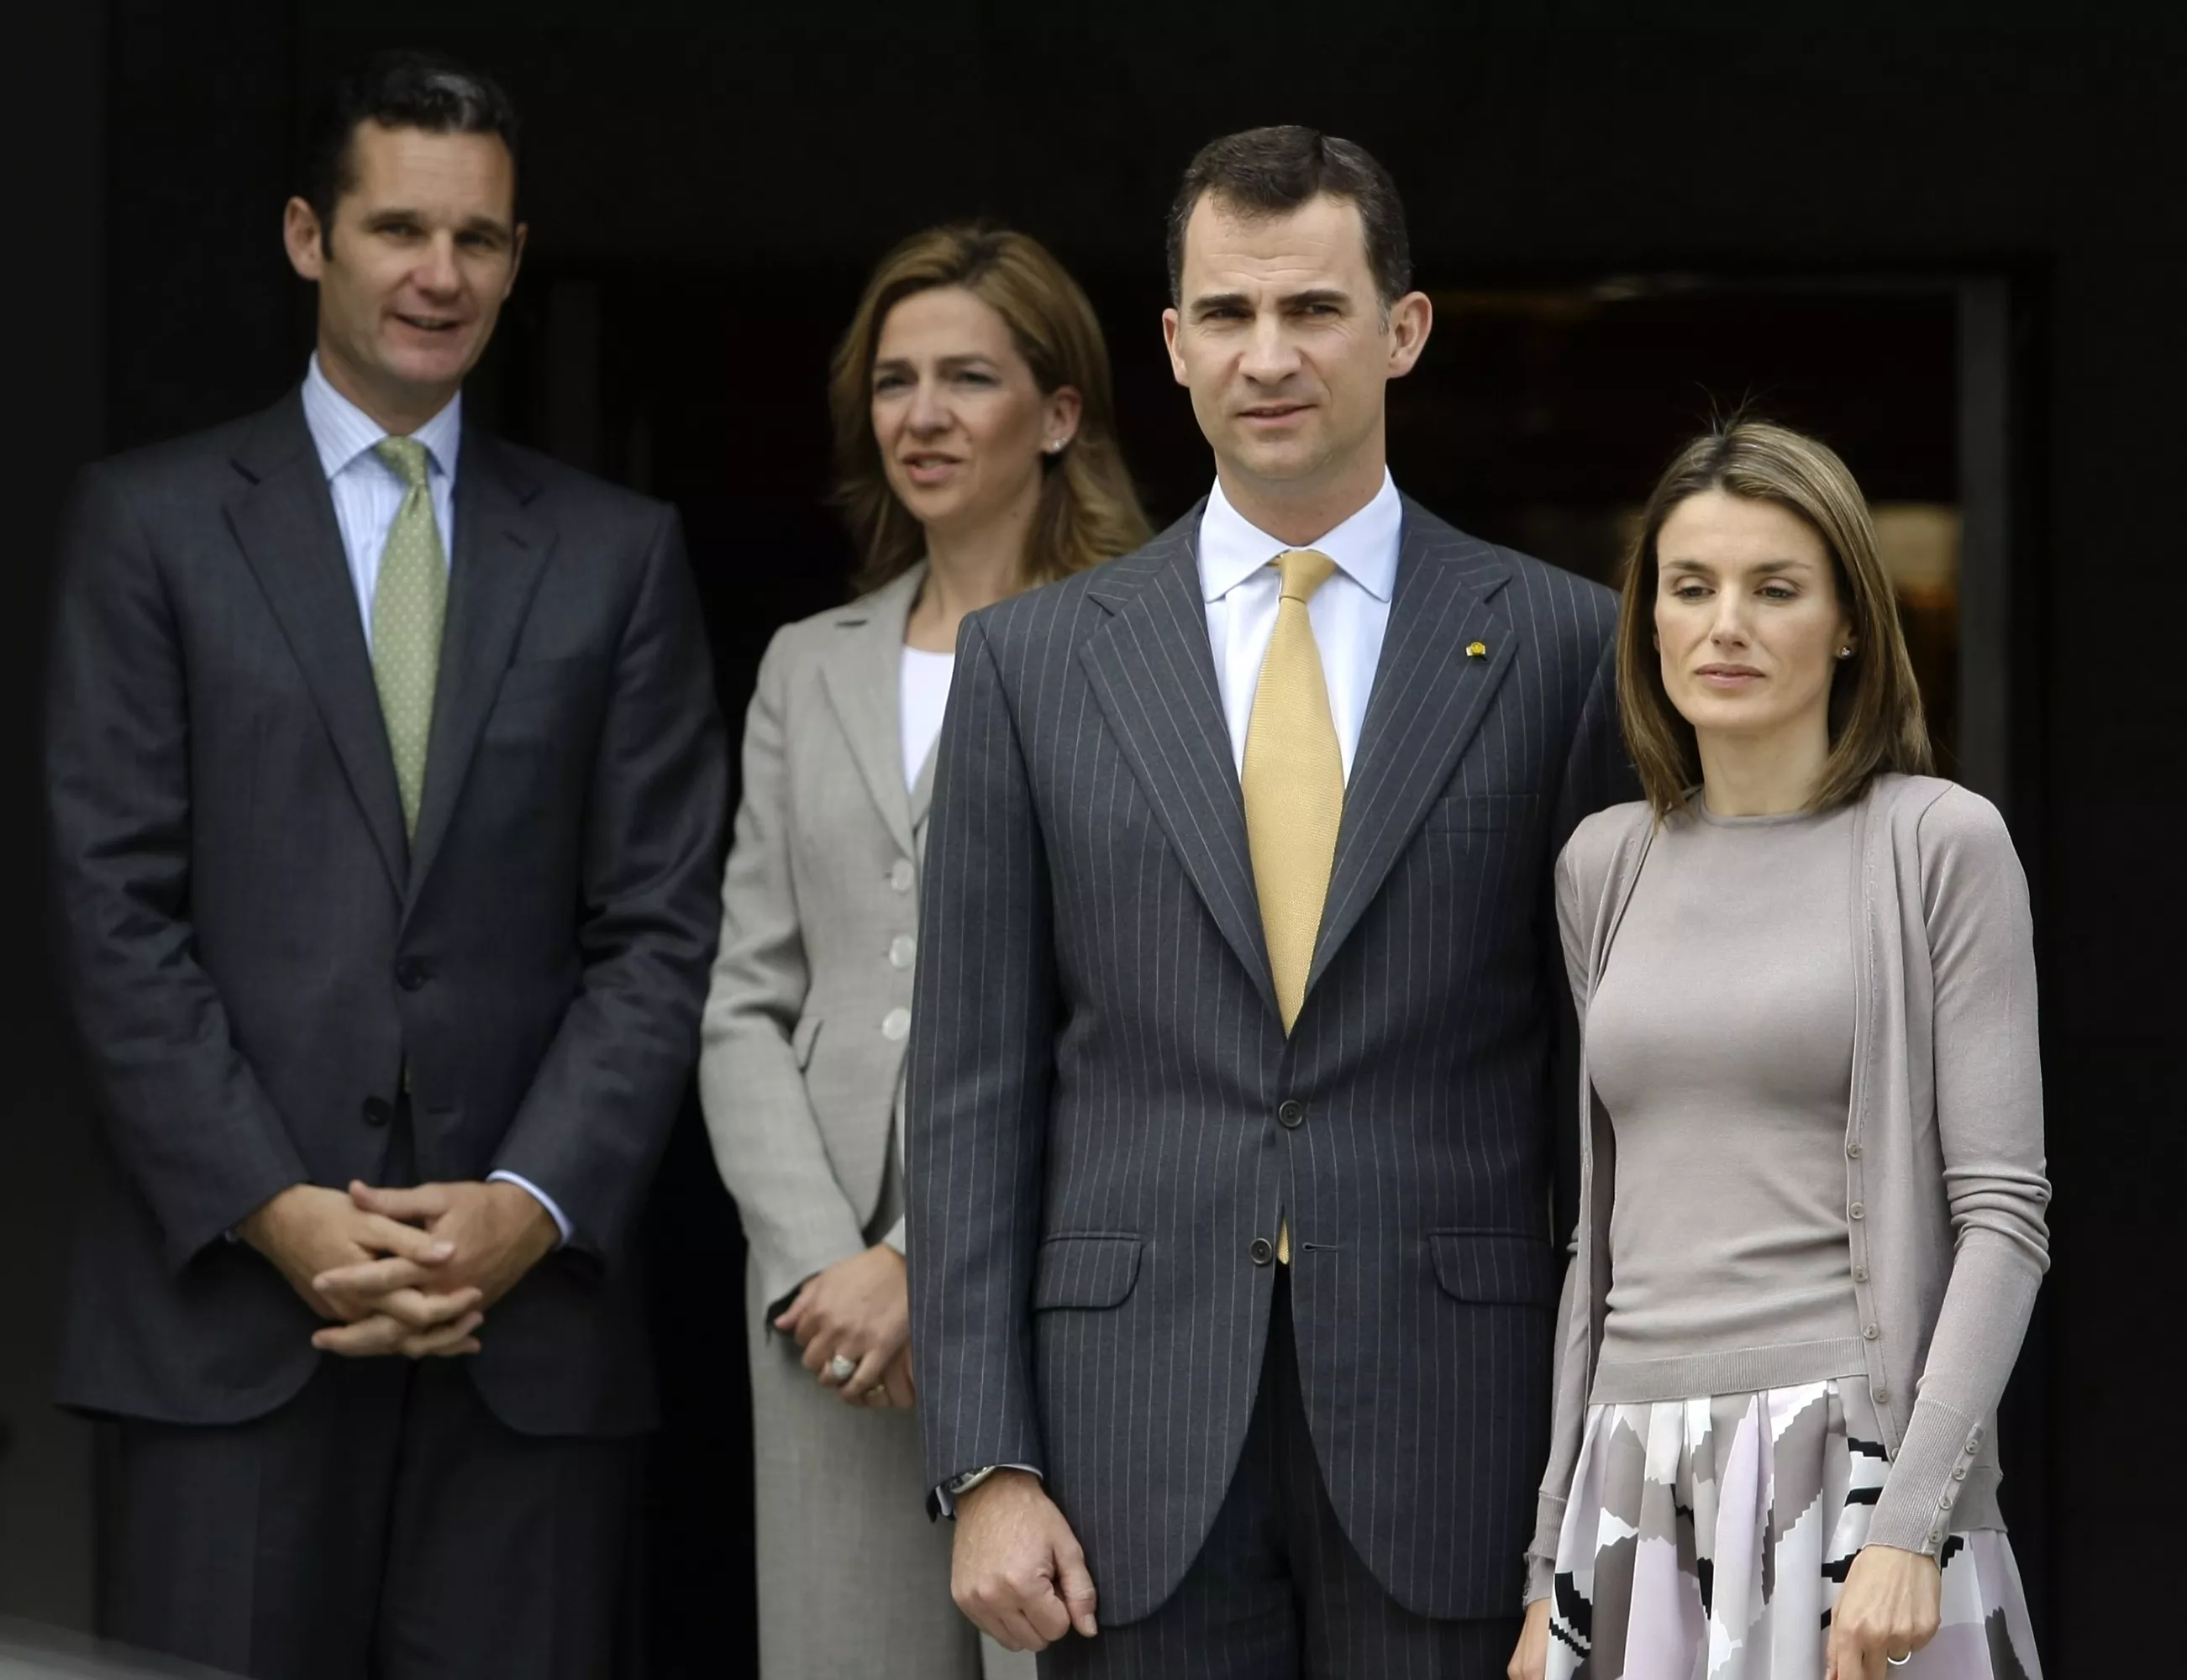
column 1106, row 1115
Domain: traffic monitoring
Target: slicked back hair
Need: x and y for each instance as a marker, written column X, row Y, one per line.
column 396, row 90
column 1271, row 172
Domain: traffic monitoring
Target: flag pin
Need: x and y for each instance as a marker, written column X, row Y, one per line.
column 1477, row 650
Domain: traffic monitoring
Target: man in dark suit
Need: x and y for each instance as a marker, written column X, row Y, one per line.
column 1232, row 1105
column 386, row 787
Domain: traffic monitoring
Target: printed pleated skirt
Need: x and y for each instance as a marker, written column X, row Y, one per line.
column 1708, row 1539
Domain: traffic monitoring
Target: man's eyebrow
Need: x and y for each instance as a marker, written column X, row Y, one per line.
column 471, row 224
column 1314, row 294
column 1214, row 300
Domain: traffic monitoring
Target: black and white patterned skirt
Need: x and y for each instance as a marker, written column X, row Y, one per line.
column 1707, row 1539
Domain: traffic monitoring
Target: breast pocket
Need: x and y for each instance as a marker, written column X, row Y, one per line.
column 1481, row 813
column 529, row 681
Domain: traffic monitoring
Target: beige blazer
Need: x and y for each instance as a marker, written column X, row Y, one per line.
column 810, row 1005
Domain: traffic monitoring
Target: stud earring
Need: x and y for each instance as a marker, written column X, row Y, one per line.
column 1844, row 653
column 1054, row 446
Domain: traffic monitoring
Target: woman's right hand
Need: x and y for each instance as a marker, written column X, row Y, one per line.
column 860, row 1308
column 1530, row 1660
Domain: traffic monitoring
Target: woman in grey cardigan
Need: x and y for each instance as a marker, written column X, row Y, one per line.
column 1813, row 1191
column 977, row 453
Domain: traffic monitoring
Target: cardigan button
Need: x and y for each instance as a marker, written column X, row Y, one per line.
column 1871, row 1333
column 1860, row 1274
column 1959, row 1473
column 1857, row 1211
column 1853, row 1151
column 1881, row 1396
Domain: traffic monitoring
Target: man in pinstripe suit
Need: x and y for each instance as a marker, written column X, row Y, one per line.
column 1232, row 1268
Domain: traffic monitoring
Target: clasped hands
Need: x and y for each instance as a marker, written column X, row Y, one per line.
column 410, row 1272
column 859, row 1310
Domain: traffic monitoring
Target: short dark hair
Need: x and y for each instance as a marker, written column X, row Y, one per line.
column 1268, row 171
column 396, row 90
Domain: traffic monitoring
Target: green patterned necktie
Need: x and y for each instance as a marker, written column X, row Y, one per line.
column 409, row 606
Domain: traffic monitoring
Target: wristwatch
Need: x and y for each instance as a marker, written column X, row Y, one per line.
column 959, row 1486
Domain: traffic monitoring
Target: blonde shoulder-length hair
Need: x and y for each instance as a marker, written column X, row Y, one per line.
column 1089, row 511
column 1875, row 717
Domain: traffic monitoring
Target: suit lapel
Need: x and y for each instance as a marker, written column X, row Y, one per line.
column 502, row 545
column 862, row 674
column 1153, row 673
column 284, row 521
column 1429, row 697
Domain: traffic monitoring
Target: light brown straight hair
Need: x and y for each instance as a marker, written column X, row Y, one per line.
column 1876, row 723
column 1089, row 511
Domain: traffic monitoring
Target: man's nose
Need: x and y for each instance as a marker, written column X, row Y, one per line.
column 437, row 273
column 1269, row 356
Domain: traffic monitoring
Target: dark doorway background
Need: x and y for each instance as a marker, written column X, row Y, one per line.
column 1628, row 218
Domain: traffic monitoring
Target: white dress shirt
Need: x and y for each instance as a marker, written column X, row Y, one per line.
column 367, row 492
column 1350, row 613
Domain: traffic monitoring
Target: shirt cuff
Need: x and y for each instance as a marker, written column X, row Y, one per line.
column 553, row 1210
column 945, row 1502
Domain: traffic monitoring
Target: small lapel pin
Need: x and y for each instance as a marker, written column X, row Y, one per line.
column 1476, row 651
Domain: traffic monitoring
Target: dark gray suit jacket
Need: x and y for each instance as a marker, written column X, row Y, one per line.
column 1105, row 1116
column 254, row 953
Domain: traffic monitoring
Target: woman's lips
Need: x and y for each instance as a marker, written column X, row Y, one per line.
column 1729, row 676
column 930, row 470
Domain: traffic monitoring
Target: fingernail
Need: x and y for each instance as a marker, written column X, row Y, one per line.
column 441, row 1251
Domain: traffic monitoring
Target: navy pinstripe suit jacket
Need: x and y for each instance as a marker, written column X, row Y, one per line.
column 1104, row 1112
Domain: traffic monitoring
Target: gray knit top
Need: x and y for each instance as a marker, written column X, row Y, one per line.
column 1720, row 1041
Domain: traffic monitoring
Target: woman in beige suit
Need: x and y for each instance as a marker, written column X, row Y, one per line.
column 976, row 455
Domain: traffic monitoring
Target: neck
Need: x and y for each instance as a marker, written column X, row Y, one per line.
column 969, row 569
column 1302, row 511
column 1762, row 775
column 399, row 409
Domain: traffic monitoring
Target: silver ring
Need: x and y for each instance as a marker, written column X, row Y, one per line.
column 842, row 1368
column 1898, row 1662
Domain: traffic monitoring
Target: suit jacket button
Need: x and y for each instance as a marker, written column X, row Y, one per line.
column 902, row 875
column 895, row 1026
column 1263, row 1251
column 376, row 1112
column 1292, row 1114
column 409, row 974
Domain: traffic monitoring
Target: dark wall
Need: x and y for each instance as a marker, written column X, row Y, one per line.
column 52, row 99
column 678, row 146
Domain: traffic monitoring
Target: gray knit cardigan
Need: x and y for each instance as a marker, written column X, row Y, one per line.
column 1945, row 1191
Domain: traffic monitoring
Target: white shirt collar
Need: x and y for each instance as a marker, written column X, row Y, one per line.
column 341, row 431
column 1232, row 549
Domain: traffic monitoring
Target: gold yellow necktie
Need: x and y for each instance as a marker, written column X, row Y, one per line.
column 1293, row 782
column 1294, row 788
column 409, row 608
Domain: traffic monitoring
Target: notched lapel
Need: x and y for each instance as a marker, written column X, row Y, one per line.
column 1430, row 696
column 862, row 671
column 1153, row 673
column 503, row 543
column 283, row 520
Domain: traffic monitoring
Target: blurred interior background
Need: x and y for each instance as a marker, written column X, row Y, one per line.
column 1946, row 239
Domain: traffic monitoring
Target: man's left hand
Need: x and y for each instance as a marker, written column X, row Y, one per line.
column 499, row 1232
